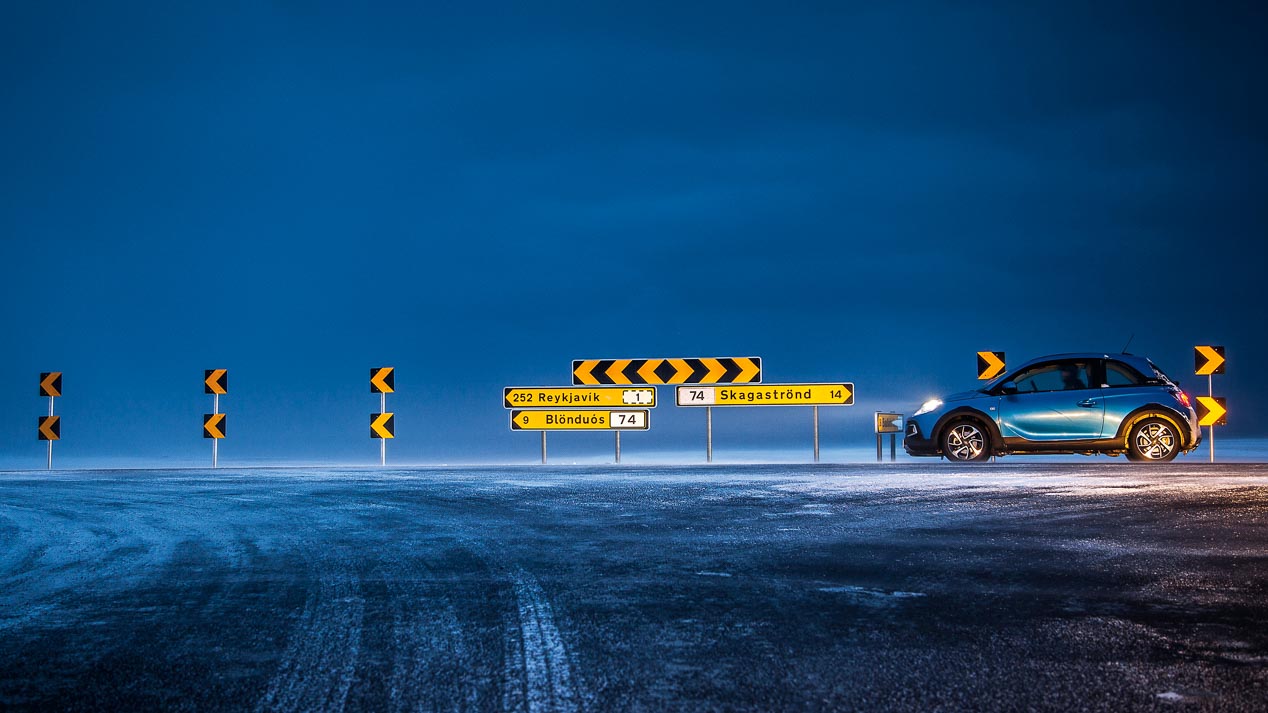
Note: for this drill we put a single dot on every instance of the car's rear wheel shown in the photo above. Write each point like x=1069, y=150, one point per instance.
x=1153, y=440
x=965, y=442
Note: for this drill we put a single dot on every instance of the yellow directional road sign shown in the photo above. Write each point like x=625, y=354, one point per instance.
x=50, y=428
x=1208, y=360
x=768, y=395
x=216, y=381
x=214, y=425
x=383, y=380
x=575, y=396
x=1212, y=411
x=637, y=420
x=707, y=370
x=51, y=384
x=989, y=365
x=382, y=425
x=889, y=422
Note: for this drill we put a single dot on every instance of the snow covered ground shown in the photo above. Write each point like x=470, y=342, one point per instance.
x=1091, y=584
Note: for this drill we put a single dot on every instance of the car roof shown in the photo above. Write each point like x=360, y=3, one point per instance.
x=1140, y=363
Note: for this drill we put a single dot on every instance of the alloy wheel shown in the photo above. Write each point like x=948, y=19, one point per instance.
x=965, y=442
x=1155, y=441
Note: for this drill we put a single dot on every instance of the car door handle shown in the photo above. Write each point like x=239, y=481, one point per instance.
x=1089, y=403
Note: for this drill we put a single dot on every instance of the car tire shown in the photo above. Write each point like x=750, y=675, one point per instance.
x=966, y=441
x=1153, y=440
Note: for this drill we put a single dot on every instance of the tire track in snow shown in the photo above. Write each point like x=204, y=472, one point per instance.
x=538, y=675
x=319, y=664
x=431, y=658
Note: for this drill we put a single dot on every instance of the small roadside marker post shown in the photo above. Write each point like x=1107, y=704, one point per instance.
x=891, y=423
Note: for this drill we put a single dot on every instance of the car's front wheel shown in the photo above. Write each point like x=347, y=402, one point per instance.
x=1153, y=440
x=965, y=442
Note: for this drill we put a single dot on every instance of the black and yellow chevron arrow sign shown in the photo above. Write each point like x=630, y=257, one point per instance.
x=1208, y=360
x=51, y=384
x=214, y=425
x=1212, y=411
x=989, y=365
x=50, y=428
x=216, y=381
x=382, y=425
x=705, y=370
x=383, y=380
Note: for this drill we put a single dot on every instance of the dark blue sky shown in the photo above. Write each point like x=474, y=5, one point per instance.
x=479, y=195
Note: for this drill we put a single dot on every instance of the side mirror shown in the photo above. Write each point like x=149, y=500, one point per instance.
x=1008, y=387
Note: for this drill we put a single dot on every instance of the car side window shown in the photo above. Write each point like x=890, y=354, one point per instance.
x=1063, y=375
x=1121, y=375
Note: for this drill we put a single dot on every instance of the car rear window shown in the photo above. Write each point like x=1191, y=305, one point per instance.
x=1159, y=373
x=1119, y=374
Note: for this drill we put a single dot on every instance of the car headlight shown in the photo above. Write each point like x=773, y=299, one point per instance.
x=928, y=406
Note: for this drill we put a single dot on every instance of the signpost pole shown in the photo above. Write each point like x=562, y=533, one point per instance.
x=816, y=410
x=215, y=442
x=543, y=448
x=893, y=446
x=50, y=443
x=878, y=447
x=618, y=445
x=708, y=433
x=383, y=441
x=1210, y=391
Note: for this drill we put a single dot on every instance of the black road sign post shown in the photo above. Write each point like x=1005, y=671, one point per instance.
x=382, y=424
x=50, y=428
x=1207, y=361
x=215, y=382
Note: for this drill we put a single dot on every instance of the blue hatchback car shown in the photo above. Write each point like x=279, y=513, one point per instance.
x=1066, y=403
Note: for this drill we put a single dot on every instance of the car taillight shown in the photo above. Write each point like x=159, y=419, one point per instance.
x=1183, y=398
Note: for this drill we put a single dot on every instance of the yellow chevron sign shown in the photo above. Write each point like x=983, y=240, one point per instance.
x=50, y=428
x=216, y=381
x=1208, y=360
x=989, y=365
x=1212, y=411
x=383, y=380
x=575, y=396
x=636, y=420
x=768, y=395
x=382, y=425
x=214, y=425
x=51, y=384
x=705, y=370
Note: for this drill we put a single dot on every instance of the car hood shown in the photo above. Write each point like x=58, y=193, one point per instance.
x=963, y=396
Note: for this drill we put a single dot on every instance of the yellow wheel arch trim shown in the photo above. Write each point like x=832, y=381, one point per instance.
x=1127, y=431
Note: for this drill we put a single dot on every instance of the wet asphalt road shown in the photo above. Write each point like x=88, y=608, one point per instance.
x=724, y=588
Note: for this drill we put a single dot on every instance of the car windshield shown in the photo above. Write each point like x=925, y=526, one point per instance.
x=993, y=383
